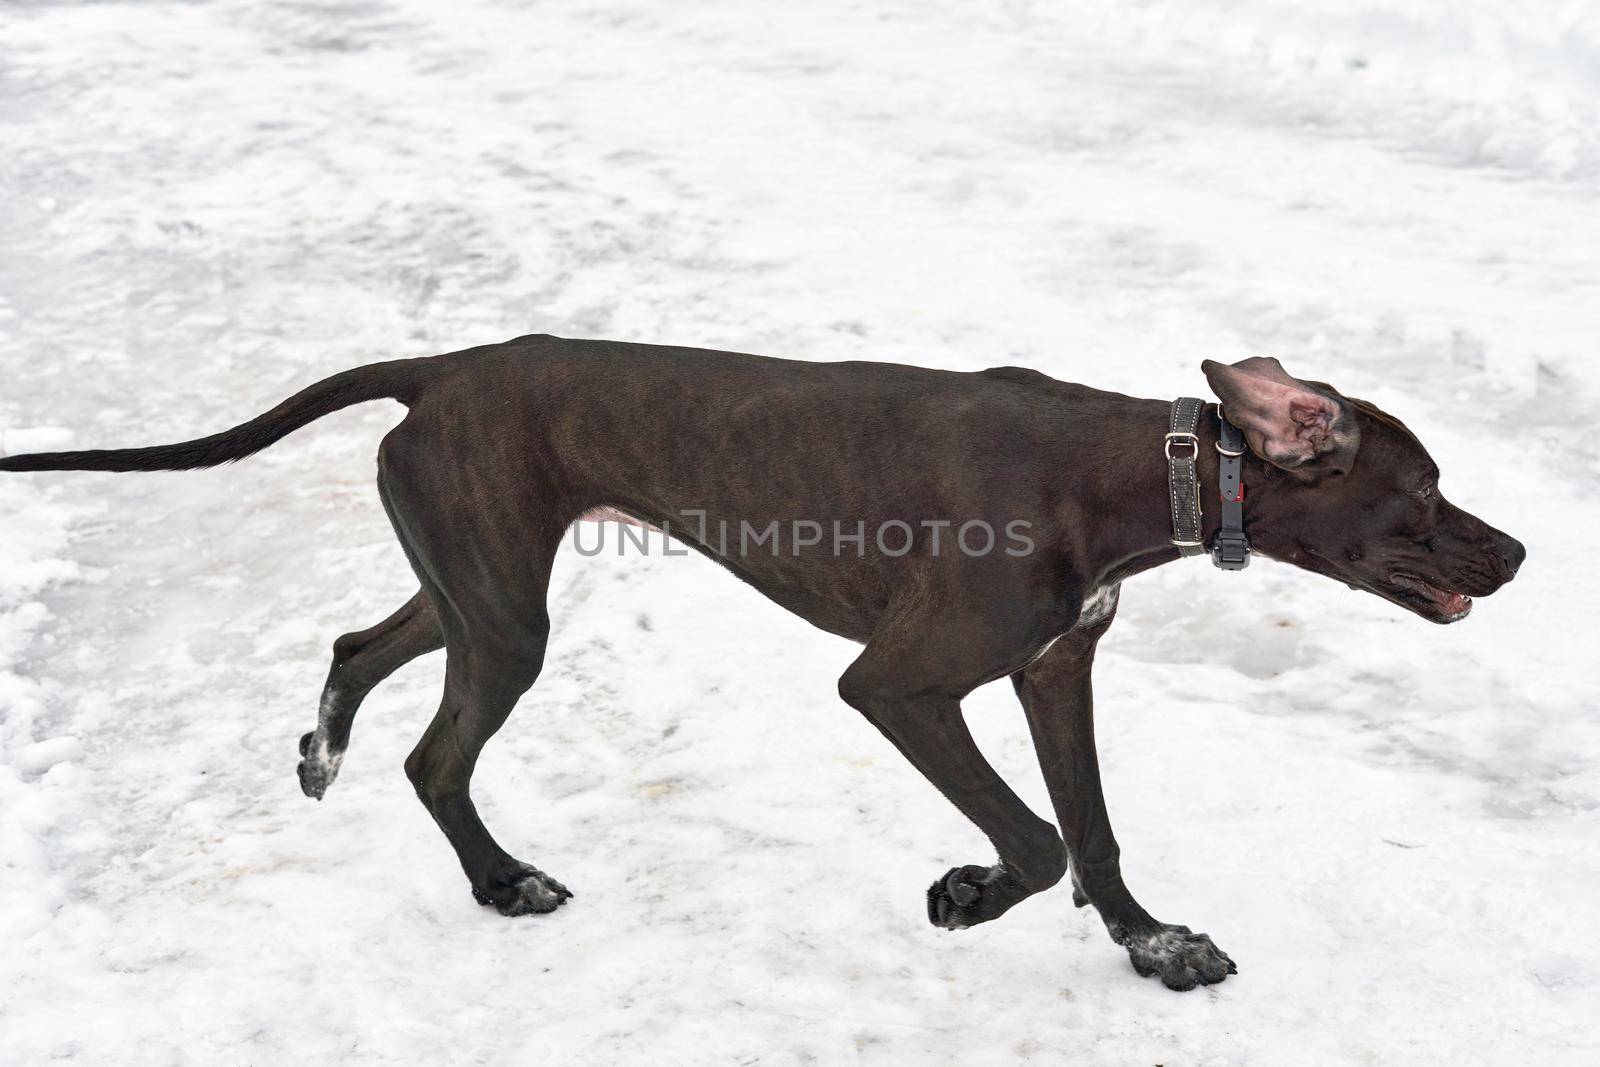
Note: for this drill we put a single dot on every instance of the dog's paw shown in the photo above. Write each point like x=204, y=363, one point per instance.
x=967, y=896
x=1181, y=958
x=524, y=890
x=318, y=766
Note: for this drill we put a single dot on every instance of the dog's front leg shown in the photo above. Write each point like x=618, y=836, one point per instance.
x=1056, y=695
x=909, y=682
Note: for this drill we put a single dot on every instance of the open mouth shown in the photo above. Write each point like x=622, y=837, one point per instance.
x=1441, y=605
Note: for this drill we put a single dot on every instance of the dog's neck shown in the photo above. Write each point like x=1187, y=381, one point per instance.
x=1135, y=500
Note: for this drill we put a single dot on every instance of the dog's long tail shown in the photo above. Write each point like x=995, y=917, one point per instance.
x=400, y=379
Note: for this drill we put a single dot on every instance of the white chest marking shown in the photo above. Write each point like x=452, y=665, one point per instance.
x=1098, y=605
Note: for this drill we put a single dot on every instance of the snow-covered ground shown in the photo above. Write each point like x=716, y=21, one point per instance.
x=205, y=205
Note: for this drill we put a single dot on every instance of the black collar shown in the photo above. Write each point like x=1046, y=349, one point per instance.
x=1230, y=548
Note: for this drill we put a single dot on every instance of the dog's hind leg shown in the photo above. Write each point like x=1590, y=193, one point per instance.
x=486, y=671
x=481, y=532
x=360, y=661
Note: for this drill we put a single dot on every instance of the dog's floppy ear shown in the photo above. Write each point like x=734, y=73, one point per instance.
x=1287, y=422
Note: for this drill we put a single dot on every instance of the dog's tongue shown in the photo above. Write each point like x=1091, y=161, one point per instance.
x=1452, y=603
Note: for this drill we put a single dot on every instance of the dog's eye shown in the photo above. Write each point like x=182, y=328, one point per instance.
x=1425, y=493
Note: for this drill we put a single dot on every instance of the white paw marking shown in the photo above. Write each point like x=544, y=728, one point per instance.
x=1164, y=945
x=324, y=757
x=320, y=754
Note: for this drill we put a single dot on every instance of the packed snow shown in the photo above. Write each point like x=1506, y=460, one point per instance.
x=204, y=206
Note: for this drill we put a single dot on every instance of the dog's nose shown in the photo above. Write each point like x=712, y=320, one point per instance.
x=1513, y=553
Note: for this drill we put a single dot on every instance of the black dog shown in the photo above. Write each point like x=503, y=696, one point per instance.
x=982, y=524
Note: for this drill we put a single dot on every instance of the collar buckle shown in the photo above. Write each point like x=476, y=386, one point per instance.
x=1230, y=550
x=1186, y=438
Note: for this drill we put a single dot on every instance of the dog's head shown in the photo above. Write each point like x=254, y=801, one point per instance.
x=1349, y=492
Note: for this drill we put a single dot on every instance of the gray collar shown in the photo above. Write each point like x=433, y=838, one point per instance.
x=1230, y=548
